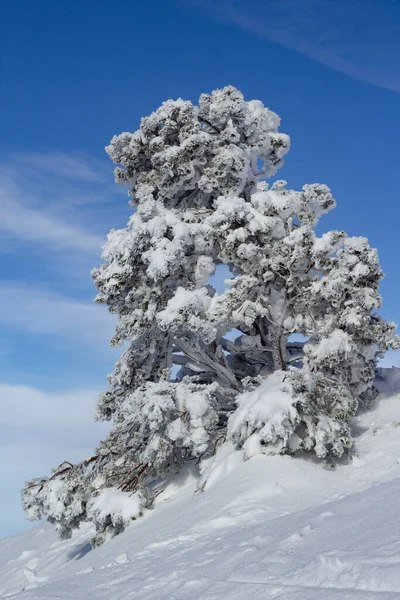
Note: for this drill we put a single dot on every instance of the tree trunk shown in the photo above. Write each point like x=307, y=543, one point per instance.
x=279, y=350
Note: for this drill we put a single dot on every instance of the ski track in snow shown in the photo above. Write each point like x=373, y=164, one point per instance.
x=273, y=527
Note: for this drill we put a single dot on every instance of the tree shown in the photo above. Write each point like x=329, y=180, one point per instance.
x=197, y=178
x=180, y=161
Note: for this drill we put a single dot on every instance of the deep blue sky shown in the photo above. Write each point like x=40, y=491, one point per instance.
x=72, y=75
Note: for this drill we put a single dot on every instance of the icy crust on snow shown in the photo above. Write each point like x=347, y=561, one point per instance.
x=269, y=527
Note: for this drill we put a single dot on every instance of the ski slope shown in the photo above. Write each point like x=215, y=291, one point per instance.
x=272, y=527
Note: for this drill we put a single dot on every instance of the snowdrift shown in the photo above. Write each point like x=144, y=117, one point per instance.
x=270, y=527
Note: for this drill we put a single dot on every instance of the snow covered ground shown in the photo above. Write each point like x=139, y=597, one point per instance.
x=272, y=527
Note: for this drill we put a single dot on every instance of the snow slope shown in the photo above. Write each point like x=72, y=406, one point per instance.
x=271, y=527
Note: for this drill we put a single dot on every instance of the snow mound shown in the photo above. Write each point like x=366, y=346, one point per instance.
x=264, y=416
x=270, y=527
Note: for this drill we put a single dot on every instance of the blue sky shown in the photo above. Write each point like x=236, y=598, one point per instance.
x=73, y=74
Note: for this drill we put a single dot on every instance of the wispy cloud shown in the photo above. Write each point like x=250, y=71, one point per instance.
x=360, y=38
x=75, y=167
x=22, y=223
x=34, y=311
x=38, y=199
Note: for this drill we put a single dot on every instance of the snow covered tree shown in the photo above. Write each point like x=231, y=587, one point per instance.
x=180, y=161
x=340, y=361
x=60, y=497
x=197, y=184
x=269, y=242
x=289, y=281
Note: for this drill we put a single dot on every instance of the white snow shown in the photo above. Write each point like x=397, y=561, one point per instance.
x=272, y=527
x=264, y=415
x=338, y=342
x=123, y=506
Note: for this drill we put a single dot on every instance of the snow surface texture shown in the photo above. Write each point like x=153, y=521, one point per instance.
x=271, y=527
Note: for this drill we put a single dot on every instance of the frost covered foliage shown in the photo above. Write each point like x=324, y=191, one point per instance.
x=75, y=494
x=266, y=418
x=158, y=426
x=156, y=429
x=290, y=281
x=187, y=156
x=180, y=161
x=62, y=498
x=197, y=179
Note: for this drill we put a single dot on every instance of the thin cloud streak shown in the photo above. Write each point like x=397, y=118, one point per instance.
x=27, y=224
x=359, y=38
x=35, y=311
x=38, y=198
x=74, y=167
